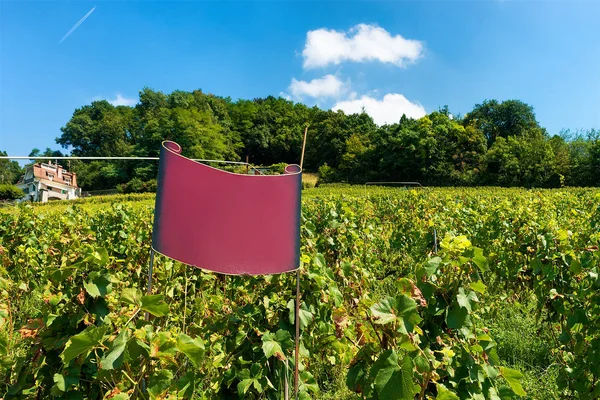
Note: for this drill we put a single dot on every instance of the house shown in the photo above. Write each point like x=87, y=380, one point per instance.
x=46, y=181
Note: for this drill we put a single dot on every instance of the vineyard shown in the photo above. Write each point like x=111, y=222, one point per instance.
x=431, y=294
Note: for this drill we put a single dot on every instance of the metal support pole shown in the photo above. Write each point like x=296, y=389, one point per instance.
x=147, y=315
x=297, y=357
x=151, y=266
x=297, y=353
x=286, y=389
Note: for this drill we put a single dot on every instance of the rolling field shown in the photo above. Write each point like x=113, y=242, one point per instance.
x=450, y=293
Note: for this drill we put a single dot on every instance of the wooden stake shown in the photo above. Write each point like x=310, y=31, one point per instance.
x=303, y=147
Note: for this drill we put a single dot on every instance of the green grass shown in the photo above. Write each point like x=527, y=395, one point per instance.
x=309, y=180
x=525, y=345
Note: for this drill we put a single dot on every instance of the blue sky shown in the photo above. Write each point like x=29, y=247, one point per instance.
x=390, y=57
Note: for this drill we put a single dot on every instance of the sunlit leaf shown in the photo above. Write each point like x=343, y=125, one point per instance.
x=513, y=377
x=192, y=348
x=113, y=358
x=82, y=343
x=155, y=305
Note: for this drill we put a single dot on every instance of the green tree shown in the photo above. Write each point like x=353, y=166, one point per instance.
x=503, y=119
x=10, y=171
x=99, y=129
x=520, y=161
x=433, y=150
x=49, y=153
x=584, y=163
x=397, y=151
x=339, y=141
x=271, y=129
x=499, y=143
x=562, y=161
x=182, y=117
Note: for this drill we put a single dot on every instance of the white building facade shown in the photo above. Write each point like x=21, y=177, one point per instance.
x=43, y=182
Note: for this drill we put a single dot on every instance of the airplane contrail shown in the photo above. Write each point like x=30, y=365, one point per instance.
x=77, y=24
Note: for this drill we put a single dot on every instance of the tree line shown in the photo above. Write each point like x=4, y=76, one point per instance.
x=497, y=143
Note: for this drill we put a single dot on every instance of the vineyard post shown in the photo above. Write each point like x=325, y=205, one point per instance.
x=303, y=146
x=151, y=266
x=297, y=314
x=297, y=332
x=147, y=315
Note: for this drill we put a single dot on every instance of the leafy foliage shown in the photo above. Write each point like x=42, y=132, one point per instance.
x=378, y=304
x=10, y=192
x=497, y=143
x=10, y=171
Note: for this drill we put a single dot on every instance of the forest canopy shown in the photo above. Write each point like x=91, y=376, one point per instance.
x=497, y=143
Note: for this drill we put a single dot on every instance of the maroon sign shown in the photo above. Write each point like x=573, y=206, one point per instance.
x=225, y=222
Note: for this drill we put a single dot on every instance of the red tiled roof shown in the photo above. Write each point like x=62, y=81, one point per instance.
x=53, y=172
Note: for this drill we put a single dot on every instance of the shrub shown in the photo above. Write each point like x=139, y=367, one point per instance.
x=326, y=174
x=278, y=168
x=136, y=185
x=10, y=192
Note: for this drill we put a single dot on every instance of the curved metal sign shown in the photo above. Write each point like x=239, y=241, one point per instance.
x=225, y=222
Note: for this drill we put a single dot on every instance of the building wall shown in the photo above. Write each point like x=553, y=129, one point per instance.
x=37, y=190
x=31, y=190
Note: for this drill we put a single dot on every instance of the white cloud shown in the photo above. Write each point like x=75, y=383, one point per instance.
x=122, y=101
x=385, y=111
x=327, y=86
x=362, y=43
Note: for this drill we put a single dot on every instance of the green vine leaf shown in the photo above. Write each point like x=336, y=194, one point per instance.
x=400, y=308
x=159, y=383
x=457, y=318
x=82, y=343
x=513, y=377
x=271, y=347
x=132, y=296
x=480, y=260
x=308, y=383
x=432, y=265
x=394, y=381
x=192, y=348
x=98, y=285
x=466, y=300
x=114, y=357
x=306, y=316
x=445, y=394
x=155, y=305
x=478, y=286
